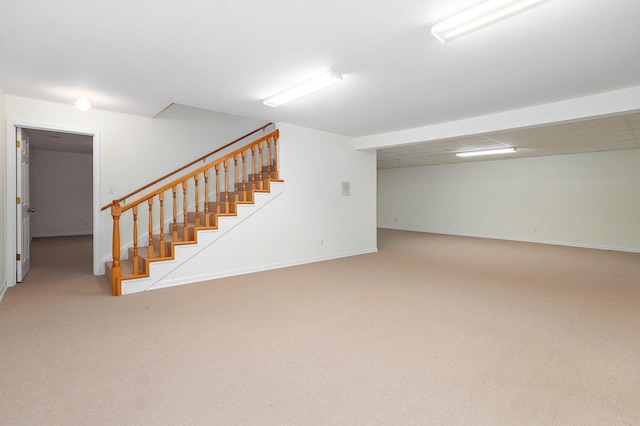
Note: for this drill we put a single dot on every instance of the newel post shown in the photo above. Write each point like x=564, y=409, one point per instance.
x=116, y=271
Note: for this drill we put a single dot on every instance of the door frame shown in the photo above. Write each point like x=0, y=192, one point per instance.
x=23, y=215
x=10, y=202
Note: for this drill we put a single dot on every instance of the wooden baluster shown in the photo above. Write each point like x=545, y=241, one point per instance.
x=269, y=158
x=162, y=244
x=260, y=161
x=275, y=157
x=150, y=228
x=236, y=185
x=252, y=177
x=244, y=176
x=185, y=226
x=197, y=201
x=206, y=198
x=116, y=269
x=174, y=230
x=217, y=188
x=226, y=186
x=135, y=241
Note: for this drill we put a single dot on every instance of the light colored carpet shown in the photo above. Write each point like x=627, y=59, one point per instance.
x=431, y=330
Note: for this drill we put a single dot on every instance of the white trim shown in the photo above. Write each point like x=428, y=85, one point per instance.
x=242, y=271
x=158, y=271
x=522, y=240
x=10, y=203
x=98, y=265
x=10, y=224
x=600, y=105
x=60, y=234
x=161, y=273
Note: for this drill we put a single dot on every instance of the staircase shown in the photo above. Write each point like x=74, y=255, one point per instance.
x=167, y=226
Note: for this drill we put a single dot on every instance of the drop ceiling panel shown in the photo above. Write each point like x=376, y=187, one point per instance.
x=603, y=134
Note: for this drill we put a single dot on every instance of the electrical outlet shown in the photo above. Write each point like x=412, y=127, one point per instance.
x=346, y=188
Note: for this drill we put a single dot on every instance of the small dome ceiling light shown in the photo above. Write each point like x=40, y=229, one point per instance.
x=83, y=104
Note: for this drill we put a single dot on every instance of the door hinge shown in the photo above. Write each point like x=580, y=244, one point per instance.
x=18, y=200
x=17, y=144
x=18, y=257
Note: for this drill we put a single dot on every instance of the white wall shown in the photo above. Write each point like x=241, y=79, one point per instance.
x=311, y=220
x=134, y=150
x=590, y=200
x=61, y=192
x=3, y=145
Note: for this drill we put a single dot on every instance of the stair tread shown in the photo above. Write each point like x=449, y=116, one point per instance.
x=126, y=265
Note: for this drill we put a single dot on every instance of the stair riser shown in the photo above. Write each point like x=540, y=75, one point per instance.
x=190, y=233
x=226, y=209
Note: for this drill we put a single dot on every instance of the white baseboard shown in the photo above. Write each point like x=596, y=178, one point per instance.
x=523, y=240
x=62, y=234
x=230, y=273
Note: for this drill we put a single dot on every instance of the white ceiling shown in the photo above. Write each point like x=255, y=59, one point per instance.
x=140, y=56
x=45, y=140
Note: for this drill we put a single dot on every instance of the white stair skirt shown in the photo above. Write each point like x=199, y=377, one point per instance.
x=161, y=272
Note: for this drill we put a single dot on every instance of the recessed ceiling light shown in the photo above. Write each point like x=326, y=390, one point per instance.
x=480, y=16
x=317, y=83
x=486, y=152
x=83, y=104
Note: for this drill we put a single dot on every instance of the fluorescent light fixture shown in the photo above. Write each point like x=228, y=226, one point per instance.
x=317, y=83
x=83, y=104
x=486, y=152
x=480, y=16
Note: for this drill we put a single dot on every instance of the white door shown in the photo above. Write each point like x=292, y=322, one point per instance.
x=23, y=228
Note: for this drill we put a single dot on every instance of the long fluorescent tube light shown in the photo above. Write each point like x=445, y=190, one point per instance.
x=486, y=152
x=480, y=16
x=317, y=83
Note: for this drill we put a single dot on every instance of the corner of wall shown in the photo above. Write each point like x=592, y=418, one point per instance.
x=3, y=190
x=312, y=220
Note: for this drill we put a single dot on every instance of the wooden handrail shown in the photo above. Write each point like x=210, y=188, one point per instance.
x=256, y=179
x=196, y=172
x=197, y=160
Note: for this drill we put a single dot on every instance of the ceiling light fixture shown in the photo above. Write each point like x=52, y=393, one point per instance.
x=480, y=16
x=83, y=104
x=317, y=83
x=486, y=152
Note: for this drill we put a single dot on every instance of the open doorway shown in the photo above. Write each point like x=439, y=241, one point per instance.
x=65, y=181
x=61, y=174
x=61, y=189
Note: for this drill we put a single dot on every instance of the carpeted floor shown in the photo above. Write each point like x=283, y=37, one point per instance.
x=431, y=330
